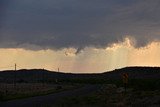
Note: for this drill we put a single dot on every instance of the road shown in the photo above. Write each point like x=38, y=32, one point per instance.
x=50, y=99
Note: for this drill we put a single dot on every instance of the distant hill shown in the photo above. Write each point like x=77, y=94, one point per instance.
x=40, y=75
x=136, y=72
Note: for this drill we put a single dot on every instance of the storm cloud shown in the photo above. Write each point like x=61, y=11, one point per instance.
x=58, y=24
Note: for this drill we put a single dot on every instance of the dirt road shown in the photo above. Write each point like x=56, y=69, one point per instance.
x=49, y=99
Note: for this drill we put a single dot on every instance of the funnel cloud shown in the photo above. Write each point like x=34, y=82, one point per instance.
x=58, y=24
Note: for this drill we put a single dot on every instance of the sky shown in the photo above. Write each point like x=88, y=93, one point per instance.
x=79, y=36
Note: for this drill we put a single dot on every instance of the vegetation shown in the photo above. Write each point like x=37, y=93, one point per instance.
x=111, y=98
x=23, y=90
x=143, y=87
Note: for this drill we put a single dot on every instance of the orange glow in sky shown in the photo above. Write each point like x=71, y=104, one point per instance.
x=118, y=55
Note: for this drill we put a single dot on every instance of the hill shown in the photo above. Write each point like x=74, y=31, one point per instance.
x=41, y=75
x=135, y=72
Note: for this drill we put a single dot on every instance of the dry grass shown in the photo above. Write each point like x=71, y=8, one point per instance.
x=108, y=96
x=22, y=90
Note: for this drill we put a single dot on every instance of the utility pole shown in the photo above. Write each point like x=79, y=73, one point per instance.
x=58, y=69
x=43, y=77
x=15, y=74
x=15, y=66
x=56, y=79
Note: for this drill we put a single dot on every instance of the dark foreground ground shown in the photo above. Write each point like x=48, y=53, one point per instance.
x=52, y=99
x=39, y=88
x=97, y=95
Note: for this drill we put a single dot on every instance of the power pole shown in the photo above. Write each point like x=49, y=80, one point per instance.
x=43, y=77
x=56, y=79
x=15, y=66
x=58, y=69
x=15, y=74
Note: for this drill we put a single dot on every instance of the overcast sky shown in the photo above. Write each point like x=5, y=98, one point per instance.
x=57, y=24
x=37, y=25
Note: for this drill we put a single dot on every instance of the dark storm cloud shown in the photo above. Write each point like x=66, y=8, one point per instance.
x=57, y=24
